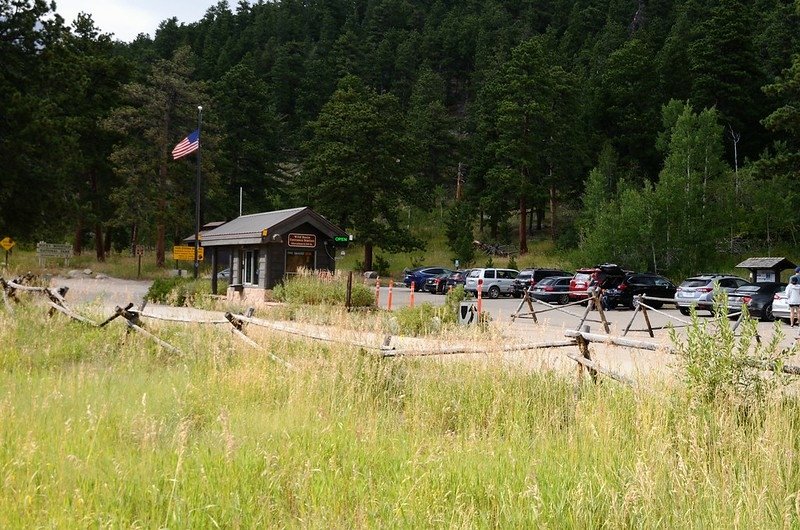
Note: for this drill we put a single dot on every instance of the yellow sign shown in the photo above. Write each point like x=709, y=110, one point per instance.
x=186, y=253
x=7, y=243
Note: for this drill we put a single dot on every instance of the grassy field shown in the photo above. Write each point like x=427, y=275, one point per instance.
x=103, y=429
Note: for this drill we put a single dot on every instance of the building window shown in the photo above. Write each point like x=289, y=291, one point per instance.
x=297, y=259
x=250, y=267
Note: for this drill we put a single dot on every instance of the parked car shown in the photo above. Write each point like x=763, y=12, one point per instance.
x=780, y=306
x=437, y=284
x=224, y=275
x=698, y=291
x=603, y=276
x=758, y=298
x=553, y=290
x=420, y=274
x=458, y=278
x=639, y=284
x=495, y=281
x=528, y=278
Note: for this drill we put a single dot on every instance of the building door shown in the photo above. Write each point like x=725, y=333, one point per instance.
x=297, y=259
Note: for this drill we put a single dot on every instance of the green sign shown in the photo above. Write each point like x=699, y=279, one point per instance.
x=341, y=239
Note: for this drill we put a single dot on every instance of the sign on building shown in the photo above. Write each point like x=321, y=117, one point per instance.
x=302, y=240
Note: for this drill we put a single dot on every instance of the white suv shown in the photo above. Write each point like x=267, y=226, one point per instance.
x=495, y=281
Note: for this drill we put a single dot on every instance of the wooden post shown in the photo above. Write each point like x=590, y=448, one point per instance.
x=630, y=323
x=480, y=297
x=389, y=301
x=641, y=306
x=596, y=301
x=411, y=299
x=583, y=346
x=348, y=299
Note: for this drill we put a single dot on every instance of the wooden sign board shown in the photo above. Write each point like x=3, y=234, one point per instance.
x=7, y=243
x=186, y=253
x=302, y=240
x=139, y=251
x=53, y=250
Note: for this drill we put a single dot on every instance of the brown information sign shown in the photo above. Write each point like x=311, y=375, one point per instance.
x=302, y=240
x=186, y=253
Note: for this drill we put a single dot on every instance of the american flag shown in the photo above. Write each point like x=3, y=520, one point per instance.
x=190, y=144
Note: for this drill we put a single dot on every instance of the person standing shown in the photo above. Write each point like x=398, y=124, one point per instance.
x=793, y=298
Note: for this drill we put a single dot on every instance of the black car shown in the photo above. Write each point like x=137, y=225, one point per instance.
x=624, y=293
x=437, y=284
x=528, y=278
x=553, y=290
x=458, y=278
x=757, y=297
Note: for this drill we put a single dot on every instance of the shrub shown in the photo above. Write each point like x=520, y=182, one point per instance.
x=315, y=288
x=718, y=365
x=426, y=318
x=179, y=291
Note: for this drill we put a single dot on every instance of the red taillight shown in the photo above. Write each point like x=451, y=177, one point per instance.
x=549, y=288
x=746, y=299
x=776, y=297
x=622, y=286
x=436, y=281
x=704, y=289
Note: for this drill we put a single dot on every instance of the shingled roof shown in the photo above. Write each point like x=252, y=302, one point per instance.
x=767, y=263
x=247, y=229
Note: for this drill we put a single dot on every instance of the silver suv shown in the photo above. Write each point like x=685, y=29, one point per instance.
x=495, y=281
x=698, y=291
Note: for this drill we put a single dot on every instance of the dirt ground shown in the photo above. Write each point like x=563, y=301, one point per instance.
x=106, y=293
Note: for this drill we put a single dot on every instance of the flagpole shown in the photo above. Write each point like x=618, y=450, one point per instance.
x=197, y=197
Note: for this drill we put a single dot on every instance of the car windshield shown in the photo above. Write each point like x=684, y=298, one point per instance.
x=546, y=281
x=583, y=276
x=474, y=274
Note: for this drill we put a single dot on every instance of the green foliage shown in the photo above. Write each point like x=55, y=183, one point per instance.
x=718, y=365
x=314, y=289
x=381, y=266
x=180, y=291
x=460, y=224
x=427, y=319
x=512, y=263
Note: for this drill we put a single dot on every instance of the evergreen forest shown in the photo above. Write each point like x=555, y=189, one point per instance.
x=654, y=133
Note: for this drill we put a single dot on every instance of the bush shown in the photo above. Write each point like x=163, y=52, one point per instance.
x=719, y=366
x=315, y=288
x=426, y=318
x=179, y=291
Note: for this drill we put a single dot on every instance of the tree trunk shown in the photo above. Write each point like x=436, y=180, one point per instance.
x=530, y=221
x=539, y=217
x=77, y=245
x=107, y=241
x=553, y=231
x=368, y=256
x=134, y=238
x=493, y=228
x=99, y=243
x=161, y=232
x=523, y=226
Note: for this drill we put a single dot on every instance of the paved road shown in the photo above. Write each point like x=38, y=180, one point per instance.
x=502, y=309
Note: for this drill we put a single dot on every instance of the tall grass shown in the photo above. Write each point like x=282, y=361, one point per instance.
x=100, y=428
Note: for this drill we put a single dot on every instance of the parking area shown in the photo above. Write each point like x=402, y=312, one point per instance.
x=502, y=309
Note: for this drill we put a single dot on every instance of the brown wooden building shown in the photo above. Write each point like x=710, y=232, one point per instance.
x=266, y=247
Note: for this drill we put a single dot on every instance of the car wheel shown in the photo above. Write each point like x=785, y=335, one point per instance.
x=767, y=315
x=516, y=294
x=656, y=305
x=633, y=304
x=563, y=299
x=494, y=292
x=684, y=311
